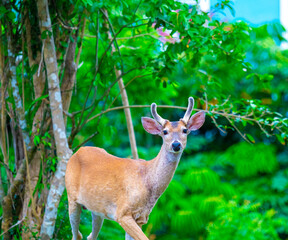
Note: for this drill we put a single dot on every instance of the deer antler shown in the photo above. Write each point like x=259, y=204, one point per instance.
x=156, y=116
x=187, y=115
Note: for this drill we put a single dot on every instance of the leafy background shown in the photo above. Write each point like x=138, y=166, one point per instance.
x=224, y=188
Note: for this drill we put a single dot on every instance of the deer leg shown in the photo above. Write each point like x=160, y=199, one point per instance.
x=74, y=216
x=133, y=231
x=128, y=237
x=97, y=222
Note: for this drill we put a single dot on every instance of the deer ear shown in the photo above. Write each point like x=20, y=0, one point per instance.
x=151, y=126
x=196, y=121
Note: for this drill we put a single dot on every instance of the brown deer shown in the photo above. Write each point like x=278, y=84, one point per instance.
x=122, y=189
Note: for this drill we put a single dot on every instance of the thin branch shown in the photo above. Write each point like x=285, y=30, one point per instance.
x=22, y=69
x=6, y=167
x=241, y=134
x=15, y=225
x=29, y=183
x=78, y=128
x=61, y=20
x=143, y=24
x=223, y=114
x=206, y=101
x=216, y=124
x=127, y=84
x=81, y=43
x=88, y=139
x=91, y=85
x=136, y=9
x=137, y=36
x=135, y=106
x=41, y=59
x=115, y=36
x=127, y=38
x=66, y=26
x=117, y=79
x=115, y=41
x=97, y=44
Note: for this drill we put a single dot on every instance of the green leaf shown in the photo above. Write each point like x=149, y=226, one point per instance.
x=36, y=100
x=280, y=139
x=36, y=140
x=250, y=138
x=11, y=15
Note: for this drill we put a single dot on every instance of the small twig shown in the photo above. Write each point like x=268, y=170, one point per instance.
x=135, y=106
x=136, y=9
x=167, y=22
x=16, y=224
x=105, y=13
x=65, y=26
x=61, y=21
x=95, y=75
x=241, y=134
x=63, y=65
x=6, y=166
x=88, y=139
x=143, y=24
x=97, y=44
x=106, y=93
x=206, y=101
x=116, y=80
x=127, y=38
x=127, y=86
x=226, y=115
x=226, y=101
x=217, y=125
x=137, y=36
x=33, y=206
x=115, y=36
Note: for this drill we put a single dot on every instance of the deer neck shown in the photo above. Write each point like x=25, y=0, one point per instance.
x=162, y=170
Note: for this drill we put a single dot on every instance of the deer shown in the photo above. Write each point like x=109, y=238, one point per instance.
x=122, y=189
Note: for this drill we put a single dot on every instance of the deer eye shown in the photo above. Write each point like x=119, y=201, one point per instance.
x=165, y=132
x=185, y=130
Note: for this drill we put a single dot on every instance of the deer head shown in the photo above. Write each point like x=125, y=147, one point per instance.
x=174, y=134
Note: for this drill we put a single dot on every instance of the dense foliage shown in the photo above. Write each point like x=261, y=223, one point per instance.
x=232, y=180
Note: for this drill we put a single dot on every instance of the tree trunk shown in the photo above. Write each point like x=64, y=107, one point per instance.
x=2, y=109
x=128, y=116
x=69, y=75
x=20, y=119
x=63, y=152
x=33, y=221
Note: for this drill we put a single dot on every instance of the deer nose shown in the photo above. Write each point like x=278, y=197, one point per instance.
x=176, y=146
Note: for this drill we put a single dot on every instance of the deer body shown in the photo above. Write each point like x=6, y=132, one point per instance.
x=122, y=189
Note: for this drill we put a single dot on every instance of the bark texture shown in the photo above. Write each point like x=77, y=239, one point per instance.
x=2, y=110
x=63, y=152
x=7, y=202
x=69, y=74
x=128, y=116
x=32, y=221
